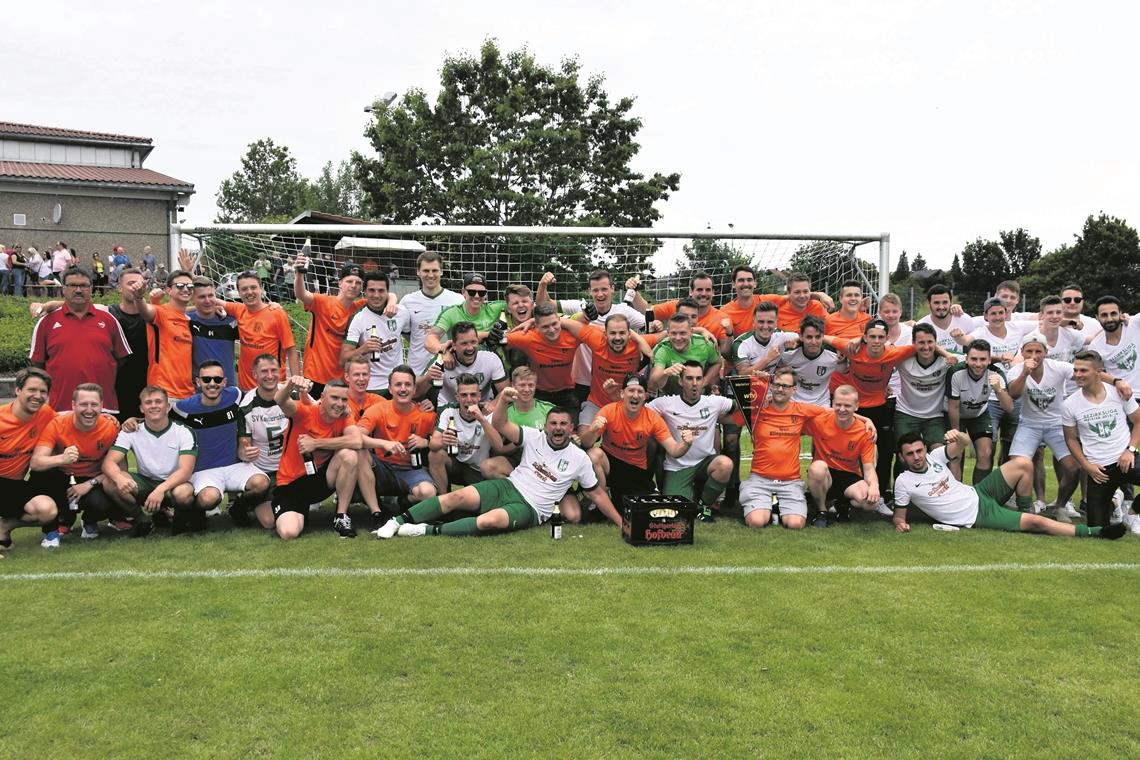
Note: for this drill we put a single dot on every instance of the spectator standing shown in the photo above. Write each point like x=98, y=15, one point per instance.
x=99, y=271
x=61, y=260
x=148, y=260
x=18, y=263
x=35, y=261
x=5, y=271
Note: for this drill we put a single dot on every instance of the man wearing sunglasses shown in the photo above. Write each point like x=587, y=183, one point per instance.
x=213, y=414
x=169, y=339
x=475, y=308
x=1072, y=308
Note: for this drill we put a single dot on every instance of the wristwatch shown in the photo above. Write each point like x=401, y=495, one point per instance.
x=1133, y=450
x=93, y=482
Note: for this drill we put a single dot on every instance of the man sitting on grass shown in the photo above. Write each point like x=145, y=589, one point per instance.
x=550, y=464
x=930, y=486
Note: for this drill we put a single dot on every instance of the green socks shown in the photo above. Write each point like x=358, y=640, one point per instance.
x=426, y=511
x=713, y=489
x=1024, y=503
x=1084, y=531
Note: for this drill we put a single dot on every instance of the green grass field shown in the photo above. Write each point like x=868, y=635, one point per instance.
x=847, y=642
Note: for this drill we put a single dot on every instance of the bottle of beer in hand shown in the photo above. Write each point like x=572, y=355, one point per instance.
x=371, y=336
x=503, y=327
x=556, y=523
x=307, y=252
x=438, y=381
x=452, y=448
x=310, y=465
x=631, y=293
x=415, y=457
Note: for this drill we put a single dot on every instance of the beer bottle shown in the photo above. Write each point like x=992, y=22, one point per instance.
x=372, y=334
x=310, y=465
x=415, y=458
x=631, y=293
x=438, y=381
x=452, y=448
x=307, y=252
x=556, y=523
x=503, y=326
x=775, y=509
x=72, y=504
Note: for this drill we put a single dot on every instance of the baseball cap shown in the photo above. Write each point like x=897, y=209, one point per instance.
x=631, y=379
x=351, y=270
x=990, y=303
x=1034, y=337
x=474, y=278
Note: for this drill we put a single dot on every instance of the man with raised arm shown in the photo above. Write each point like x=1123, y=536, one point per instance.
x=679, y=348
x=262, y=427
x=331, y=315
x=550, y=351
x=375, y=335
x=757, y=348
x=929, y=485
x=461, y=443
x=550, y=465
x=465, y=355
x=170, y=342
x=212, y=329
x=701, y=292
x=319, y=457
x=798, y=302
x=626, y=427
x=164, y=452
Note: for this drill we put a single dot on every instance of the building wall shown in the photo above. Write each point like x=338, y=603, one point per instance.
x=89, y=222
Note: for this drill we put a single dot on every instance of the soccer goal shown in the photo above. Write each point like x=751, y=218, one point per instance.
x=665, y=260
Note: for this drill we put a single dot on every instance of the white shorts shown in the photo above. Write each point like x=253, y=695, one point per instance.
x=1030, y=435
x=756, y=494
x=229, y=479
x=588, y=412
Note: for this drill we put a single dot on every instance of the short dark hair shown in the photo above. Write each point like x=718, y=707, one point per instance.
x=678, y=318
x=210, y=363
x=27, y=373
x=399, y=369
x=429, y=256
x=700, y=275
x=462, y=328
x=811, y=320
x=466, y=378
x=851, y=284
x=688, y=303
x=265, y=358
x=911, y=437
x=600, y=274
x=937, y=290
x=1010, y=285
x=798, y=277
x=1049, y=301
x=1073, y=286
x=75, y=272
x=1089, y=355
x=742, y=268
x=979, y=344
x=336, y=382
x=923, y=327
x=248, y=274
x=561, y=410
x=544, y=310
x=765, y=306
x=375, y=275
x=1107, y=299
x=693, y=363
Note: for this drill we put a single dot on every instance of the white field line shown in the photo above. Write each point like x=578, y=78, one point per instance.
x=542, y=572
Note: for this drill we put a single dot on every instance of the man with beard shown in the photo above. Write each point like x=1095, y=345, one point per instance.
x=462, y=351
x=424, y=307
x=525, y=411
x=843, y=467
x=331, y=315
x=620, y=352
x=1119, y=344
x=22, y=421
x=550, y=465
x=941, y=319
x=971, y=387
x=626, y=427
x=757, y=348
x=262, y=428
x=813, y=362
x=375, y=335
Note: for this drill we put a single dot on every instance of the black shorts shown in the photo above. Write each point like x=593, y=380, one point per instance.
x=626, y=479
x=567, y=398
x=463, y=474
x=316, y=391
x=306, y=490
x=841, y=480
x=17, y=493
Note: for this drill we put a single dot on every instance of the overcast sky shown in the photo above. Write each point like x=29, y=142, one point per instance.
x=936, y=121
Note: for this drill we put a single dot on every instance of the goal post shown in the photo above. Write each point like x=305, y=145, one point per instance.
x=665, y=259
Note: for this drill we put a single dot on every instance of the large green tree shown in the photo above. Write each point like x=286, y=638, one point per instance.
x=267, y=188
x=1021, y=249
x=1105, y=259
x=902, y=268
x=509, y=141
x=336, y=190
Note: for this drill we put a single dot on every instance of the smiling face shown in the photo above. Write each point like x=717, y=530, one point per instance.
x=702, y=291
x=357, y=374
x=350, y=287
x=763, y=325
x=87, y=407
x=602, y=293
x=402, y=386
x=1085, y=373
x=850, y=297
x=550, y=327
x=334, y=402
x=977, y=361
x=924, y=345
x=890, y=313
x=940, y=305
x=876, y=340
x=680, y=335
x=520, y=306
x=466, y=346
x=1008, y=298
x=633, y=398
x=1072, y=302
x=995, y=316
x=1108, y=315
x=205, y=300
x=266, y=374
x=799, y=293
x=744, y=285
x=33, y=395
x=617, y=335
x=211, y=381
x=845, y=403
x=430, y=273
x=376, y=293
x=155, y=407
x=180, y=290
x=249, y=291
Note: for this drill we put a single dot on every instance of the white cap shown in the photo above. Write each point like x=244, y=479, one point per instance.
x=1034, y=337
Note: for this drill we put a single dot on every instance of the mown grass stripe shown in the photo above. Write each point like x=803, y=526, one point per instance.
x=398, y=572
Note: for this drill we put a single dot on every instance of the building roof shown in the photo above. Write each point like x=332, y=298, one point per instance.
x=32, y=131
x=91, y=175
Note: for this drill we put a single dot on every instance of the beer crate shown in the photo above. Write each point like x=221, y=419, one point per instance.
x=657, y=520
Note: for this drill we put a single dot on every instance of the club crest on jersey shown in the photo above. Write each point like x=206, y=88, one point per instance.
x=850, y=445
x=392, y=325
x=821, y=371
x=704, y=413
x=480, y=377
x=1104, y=428
x=563, y=465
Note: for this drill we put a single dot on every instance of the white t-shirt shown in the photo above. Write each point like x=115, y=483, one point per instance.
x=748, y=348
x=265, y=423
x=1041, y=402
x=923, y=389
x=1010, y=344
x=906, y=333
x=937, y=492
x=60, y=260
x=973, y=395
x=1017, y=316
x=1103, y=427
x=156, y=454
x=584, y=359
x=389, y=330
x=422, y=313
x=545, y=473
x=473, y=444
x=487, y=369
x=965, y=323
x=1121, y=360
x=813, y=376
x=700, y=418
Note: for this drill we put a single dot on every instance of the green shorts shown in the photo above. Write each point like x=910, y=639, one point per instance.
x=502, y=494
x=981, y=426
x=680, y=482
x=932, y=429
x=992, y=493
x=146, y=486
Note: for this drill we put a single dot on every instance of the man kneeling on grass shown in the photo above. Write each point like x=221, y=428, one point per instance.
x=550, y=464
x=930, y=486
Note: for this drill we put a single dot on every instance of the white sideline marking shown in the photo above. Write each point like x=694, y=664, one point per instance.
x=401, y=572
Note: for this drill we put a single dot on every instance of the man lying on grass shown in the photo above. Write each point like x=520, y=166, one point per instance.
x=550, y=464
x=930, y=486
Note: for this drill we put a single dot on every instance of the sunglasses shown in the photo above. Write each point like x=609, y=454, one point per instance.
x=1073, y=299
x=219, y=379
x=182, y=285
x=476, y=293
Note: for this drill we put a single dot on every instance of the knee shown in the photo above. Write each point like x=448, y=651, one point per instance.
x=257, y=485
x=496, y=519
x=208, y=498
x=792, y=522
x=182, y=494
x=758, y=518
x=423, y=491
x=438, y=458
x=720, y=468
x=42, y=509
x=817, y=471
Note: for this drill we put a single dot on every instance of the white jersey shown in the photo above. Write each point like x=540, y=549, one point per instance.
x=422, y=313
x=1010, y=344
x=906, y=335
x=389, y=330
x=584, y=359
x=265, y=423
x=1017, y=316
x=813, y=376
x=700, y=418
x=545, y=473
x=973, y=394
x=965, y=323
x=1121, y=360
x=937, y=492
x=747, y=348
x=487, y=369
x=1041, y=401
x=923, y=388
x=473, y=444
x=156, y=454
x=1102, y=428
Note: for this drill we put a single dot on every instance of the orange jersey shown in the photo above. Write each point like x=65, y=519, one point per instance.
x=710, y=320
x=627, y=439
x=847, y=450
x=18, y=439
x=265, y=331
x=356, y=411
x=307, y=420
x=326, y=335
x=384, y=420
x=840, y=326
x=606, y=364
x=740, y=316
x=93, y=444
x=550, y=361
x=776, y=436
x=869, y=374
x=170, y=350
x=788, y=318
